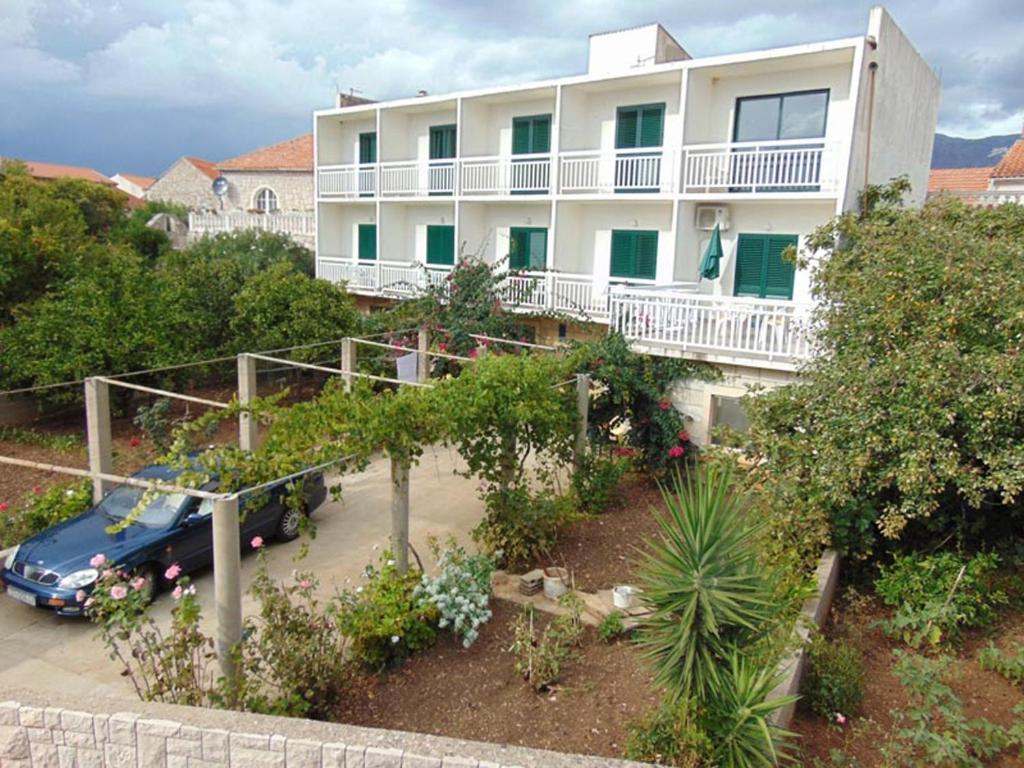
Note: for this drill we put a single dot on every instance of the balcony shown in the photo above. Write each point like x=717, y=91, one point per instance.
x=299, y=225
x=347, y=180
x=760, y=167
x=505, y=175
x=773, y=334
x=625, y=170
x=393, y=279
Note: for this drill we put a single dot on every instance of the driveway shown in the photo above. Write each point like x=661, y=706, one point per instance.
x=41, y=651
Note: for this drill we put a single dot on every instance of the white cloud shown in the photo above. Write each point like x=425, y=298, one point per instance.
x=22, y=62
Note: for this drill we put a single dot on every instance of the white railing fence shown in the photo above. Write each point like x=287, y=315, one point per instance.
x=297, y=224
x=651, y=169
x=776, y=166
x=347, y=180
x=518, y=174
x=772, y=331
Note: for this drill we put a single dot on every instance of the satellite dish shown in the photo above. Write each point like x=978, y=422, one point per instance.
x=220, y=186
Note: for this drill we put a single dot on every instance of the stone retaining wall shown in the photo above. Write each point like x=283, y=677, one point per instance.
x=45, y=731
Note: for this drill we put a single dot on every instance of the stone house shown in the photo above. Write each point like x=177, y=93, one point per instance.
x=189, y=182
x=271, y=179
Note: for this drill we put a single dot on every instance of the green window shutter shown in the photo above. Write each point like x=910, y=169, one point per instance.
x=750, y=250
x=538, y=250
x=541, y=139
x=531, y=135
x=528, y=248
x=367, y=148
x=367, y=241
x=779, y=273
x=442, y=142
x=517, y=248
x=521, y=136
x=626, y=125
x=652, y=125
x=646, y=254
x=440, y=244
x=623, y=261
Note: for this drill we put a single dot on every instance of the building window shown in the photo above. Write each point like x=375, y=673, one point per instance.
x=527, y=248
x=727, y=412
x=634, y=253
x=440, y=244
x=761, y=270
x=367, y=242
x=800, y=115
x=265, y=200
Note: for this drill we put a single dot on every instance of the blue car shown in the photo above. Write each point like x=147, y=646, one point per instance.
x=49, y=569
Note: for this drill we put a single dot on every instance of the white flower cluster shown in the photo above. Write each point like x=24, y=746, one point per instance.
x=461, y=592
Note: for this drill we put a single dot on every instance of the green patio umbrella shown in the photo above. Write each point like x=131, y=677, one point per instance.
x=712, y=255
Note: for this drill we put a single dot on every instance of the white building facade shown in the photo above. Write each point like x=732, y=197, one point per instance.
x=600, y=193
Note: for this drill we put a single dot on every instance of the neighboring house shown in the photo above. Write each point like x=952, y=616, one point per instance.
x=132, y=184
x=271, y=179
x=188, y=182
x=1001, y=183
x=605, y=190
x=50, y=171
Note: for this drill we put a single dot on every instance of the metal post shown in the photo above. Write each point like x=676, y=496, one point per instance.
x=400, y=513
x=348, y=361
x=423, y=361
x=583, y=414
x=227, y=583
x=247, y=435
x=97, y=425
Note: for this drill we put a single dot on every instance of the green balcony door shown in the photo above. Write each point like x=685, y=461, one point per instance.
x=528, y=248
x=367, y=177
x=531, y=135
x=440, y=244
x=761, y=271
x=637, y=127
x=367, y=242
x=441, y=180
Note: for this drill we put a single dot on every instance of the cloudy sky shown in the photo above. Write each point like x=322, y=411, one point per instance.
x=131, y=85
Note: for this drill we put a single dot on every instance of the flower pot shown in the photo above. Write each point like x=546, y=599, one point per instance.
x=556, y=582
x=624, y=596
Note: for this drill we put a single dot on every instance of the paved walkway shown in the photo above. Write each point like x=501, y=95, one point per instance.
x=41, y=651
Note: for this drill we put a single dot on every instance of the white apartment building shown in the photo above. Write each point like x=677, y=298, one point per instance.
x=602, y=192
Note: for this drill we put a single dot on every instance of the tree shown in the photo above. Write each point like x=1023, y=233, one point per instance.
x=253, y=250
x=909, y=421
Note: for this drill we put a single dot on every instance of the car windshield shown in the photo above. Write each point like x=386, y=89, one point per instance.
x=159, y=512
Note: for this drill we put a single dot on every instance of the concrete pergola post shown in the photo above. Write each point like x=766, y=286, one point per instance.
x=97, y=425
x=348, y=361
x=423, y=361
x=247, y=435
x=400, y=513
x=583, y=416
x=227, y=583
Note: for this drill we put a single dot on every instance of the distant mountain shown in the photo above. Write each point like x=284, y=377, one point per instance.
x=954, y=152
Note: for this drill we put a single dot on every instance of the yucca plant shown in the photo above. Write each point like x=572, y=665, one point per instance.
x=701, y=579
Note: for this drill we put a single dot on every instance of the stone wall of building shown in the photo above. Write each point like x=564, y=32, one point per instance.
x=185, y=184
x=44, y=730
x=294, y=189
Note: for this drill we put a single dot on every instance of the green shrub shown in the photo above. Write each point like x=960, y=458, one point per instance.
x=155, y=422
x=59, y=443
x=39, y=510
x=540, y=657
x=611, y=627
x=384, y=619
x=931, y=605
x=520, y=524
x=461, y=591
x=669, y=736
x=834, y=683
x=1009, y=665
x=596, y=480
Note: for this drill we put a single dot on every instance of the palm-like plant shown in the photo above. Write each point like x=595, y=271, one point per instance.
x=701, y=579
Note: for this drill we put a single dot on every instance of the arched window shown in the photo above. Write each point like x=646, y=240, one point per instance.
x=266, y=200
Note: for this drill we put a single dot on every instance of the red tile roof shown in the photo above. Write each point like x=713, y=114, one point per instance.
x=55, y=171
x=292, y=155
x=210, y=169
x=1012, y=164
x=143, y=181
x=958, y=179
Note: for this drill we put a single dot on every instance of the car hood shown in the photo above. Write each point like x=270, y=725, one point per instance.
x=70, y=545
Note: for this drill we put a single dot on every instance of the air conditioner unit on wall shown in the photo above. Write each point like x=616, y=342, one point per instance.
x=710, y=216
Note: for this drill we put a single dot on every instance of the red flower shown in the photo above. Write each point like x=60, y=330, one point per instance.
x=442, y=347
x=472, y=354
x=4, y=506
x=624, y=450
x=684, y=436
x=37, y=489
x=676, y=451
x=485, y=342
x=135, y=442
x=664, y=405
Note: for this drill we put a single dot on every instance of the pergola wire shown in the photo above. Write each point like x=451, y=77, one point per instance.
x=338, y=371
x=396, y=348
x=163, y=392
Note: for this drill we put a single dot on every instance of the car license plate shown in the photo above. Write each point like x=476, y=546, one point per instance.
x=21, y=596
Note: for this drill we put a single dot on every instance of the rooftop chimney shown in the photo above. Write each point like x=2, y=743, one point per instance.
x=627, y=49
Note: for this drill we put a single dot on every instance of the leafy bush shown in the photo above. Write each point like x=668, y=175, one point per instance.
x=520, y=525
x=461, y=592
x=669, y=736
x=596, y=480
x=541, y=657
x=155, y=422
x=253, y=251
x=1009, y=665
x=60, y=443
x=384, y=619
x=835, y=678
x=611, y=627
x=40, y=509
x=931, y=604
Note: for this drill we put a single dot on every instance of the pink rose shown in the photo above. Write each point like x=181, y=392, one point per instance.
x=442, y=347
x=176, y=593
x=676, y=451
x=257, y=542
x=684, y=436
x=173, y=572
x=80, y=596
x=472, y=354
x=305, y=584
x=138, y=583
x=107, y=573
x=98, y=560
x=4, y=506
x=840, y=718
x=664, y=405
x=119, y=592
x=37, y=489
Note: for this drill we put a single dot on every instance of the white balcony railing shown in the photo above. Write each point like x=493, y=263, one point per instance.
x=300, y=225
x=776, y=166
x=650, y=169
x=382, y=278
x=519, y=174
x=347, y=180
x=415, y=178
x=775, y=332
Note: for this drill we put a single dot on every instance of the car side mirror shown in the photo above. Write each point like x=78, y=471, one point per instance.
x=194, y=519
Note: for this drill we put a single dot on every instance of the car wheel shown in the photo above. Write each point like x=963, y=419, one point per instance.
x=147, y=572
x=289, y=524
